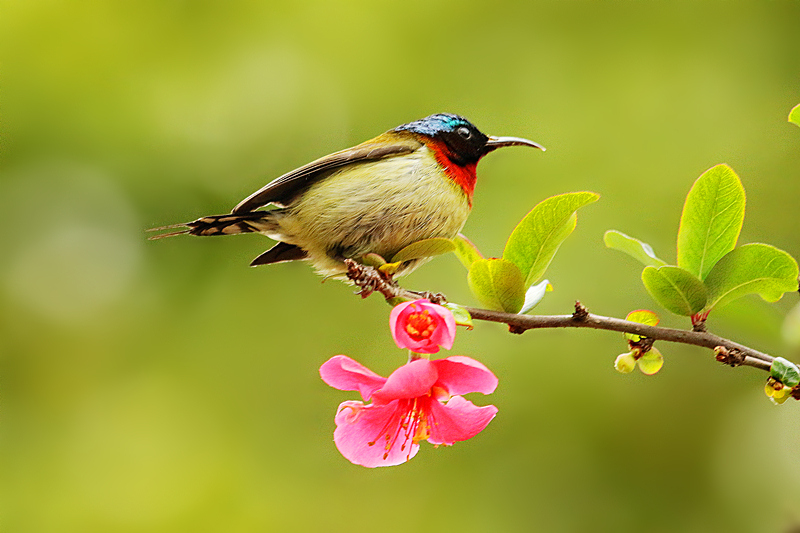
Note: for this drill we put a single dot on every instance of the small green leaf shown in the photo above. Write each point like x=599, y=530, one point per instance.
x=751, y=269
x=397, y=300
x=424, y=248
x=373, y=260
x=536, y=239
x=711, y=220
x=498, y=284
x=675, y=289
x=635, y=248
x=466, y=252
x=462, y=316
x=651, y=362
x=776, y=391
x=785, y=371
x=534, y=295
x=625, y=362
x=641, y=316
x=794, y=115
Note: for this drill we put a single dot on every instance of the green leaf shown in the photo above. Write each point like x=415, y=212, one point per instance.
x=424, y=248
x=651, y=362
x=794, y=115
x=711, y=220
x=498, y=284
x=536, y=239
x=676, y=289
x=751, y=269
x=635, y=248
x=785, y=371
x=462, y=316
x=397, y=300
x=776, y=391
x=625, y=362
x=641, y=316
x=534, y=295
x=373, y=260
x=466, y=252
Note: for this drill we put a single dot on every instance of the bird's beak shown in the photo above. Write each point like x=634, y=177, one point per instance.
x=498, y=142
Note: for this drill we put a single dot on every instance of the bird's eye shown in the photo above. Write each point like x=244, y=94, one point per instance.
x=464, y=132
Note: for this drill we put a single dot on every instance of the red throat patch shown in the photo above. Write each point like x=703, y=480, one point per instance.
x=464, y=176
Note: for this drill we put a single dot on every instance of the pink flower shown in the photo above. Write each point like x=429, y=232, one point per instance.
x=418, y=401
x=422, y=326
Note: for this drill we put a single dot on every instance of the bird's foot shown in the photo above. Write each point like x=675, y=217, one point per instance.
x=369, y=279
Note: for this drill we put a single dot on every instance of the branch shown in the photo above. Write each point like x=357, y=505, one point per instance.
x=727, y=351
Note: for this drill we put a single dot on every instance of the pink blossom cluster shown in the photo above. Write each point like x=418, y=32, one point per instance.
x=419, y=401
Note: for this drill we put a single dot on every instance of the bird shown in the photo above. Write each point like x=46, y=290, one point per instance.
x=411, y=183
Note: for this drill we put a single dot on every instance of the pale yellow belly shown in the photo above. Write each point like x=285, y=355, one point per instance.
x=378, y=207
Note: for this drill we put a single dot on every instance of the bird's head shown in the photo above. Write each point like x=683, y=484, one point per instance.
x=464, y=143
x=459, y=145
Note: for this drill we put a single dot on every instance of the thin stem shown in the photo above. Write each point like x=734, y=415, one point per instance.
x=727, y=351
x=521, y=323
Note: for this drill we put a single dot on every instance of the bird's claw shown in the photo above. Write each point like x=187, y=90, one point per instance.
x=370, y=279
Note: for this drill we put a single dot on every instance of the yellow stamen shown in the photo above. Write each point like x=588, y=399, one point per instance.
x=420, y=326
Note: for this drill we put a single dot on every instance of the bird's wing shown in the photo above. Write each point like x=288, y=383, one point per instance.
x=283, y=189
x=280, y=253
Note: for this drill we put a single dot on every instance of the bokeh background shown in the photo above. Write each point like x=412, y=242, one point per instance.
x=166, y=386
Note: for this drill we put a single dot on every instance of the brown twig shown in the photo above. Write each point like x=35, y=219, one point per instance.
x=727, y=351
x=749, y=356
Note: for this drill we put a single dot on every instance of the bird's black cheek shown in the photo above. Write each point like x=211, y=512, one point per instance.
x=463, y=151
x=464, y=155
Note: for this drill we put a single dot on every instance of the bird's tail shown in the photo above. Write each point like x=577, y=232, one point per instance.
x=251, y=222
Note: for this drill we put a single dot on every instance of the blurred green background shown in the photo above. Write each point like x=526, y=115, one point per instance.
x=166, y=386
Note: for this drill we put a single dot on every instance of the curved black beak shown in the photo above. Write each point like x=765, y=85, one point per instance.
x=498, y=142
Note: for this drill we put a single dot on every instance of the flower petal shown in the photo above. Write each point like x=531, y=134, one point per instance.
x=358, y=425
x=343, y=373
x=459, y=419
x=460, y=375
x=445, y=333
x=409, y=381
x=397, y=326
x=426, y=346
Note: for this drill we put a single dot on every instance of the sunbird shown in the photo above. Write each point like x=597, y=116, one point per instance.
x=413, y=182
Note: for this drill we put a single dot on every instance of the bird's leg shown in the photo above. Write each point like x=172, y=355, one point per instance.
x=369, y=279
